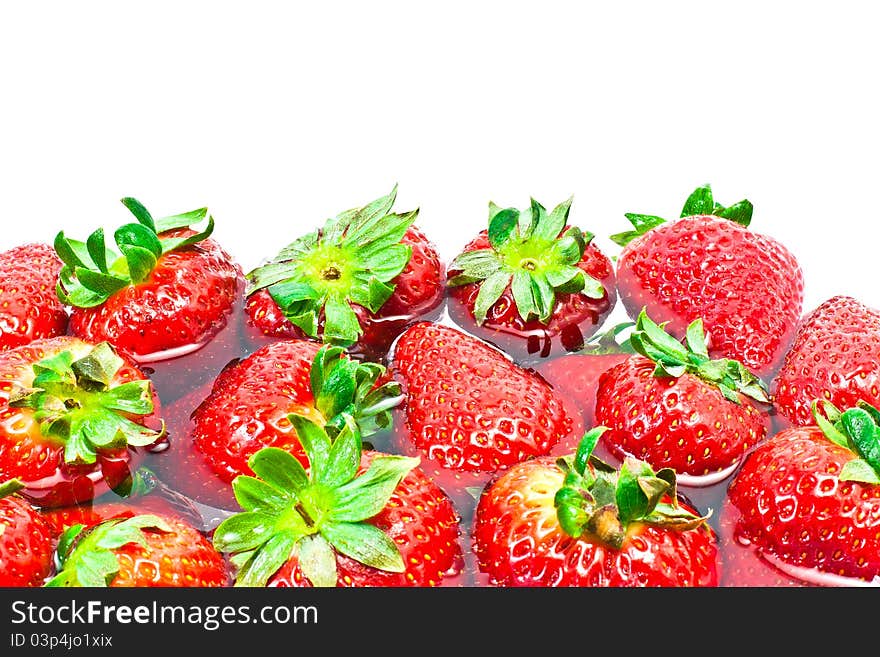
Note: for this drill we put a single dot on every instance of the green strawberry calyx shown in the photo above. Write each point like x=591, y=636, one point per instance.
x=10, y=487
x=700, y=202
x=314, y=515
x=353, y=259
x=601, y=501
x=533, y=252
x=93, y=272
x=346, y=388
x=674, y=358
x=86, y=558
x=610, y=342
x=78, y=404
x=858, y=430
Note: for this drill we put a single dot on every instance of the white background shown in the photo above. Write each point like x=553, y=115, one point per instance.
x=277, y=117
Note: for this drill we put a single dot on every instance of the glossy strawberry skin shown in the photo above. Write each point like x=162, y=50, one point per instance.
x=26, y=544
x=421, y=519
x=246, y=409
x=37, y=461
x=519, y=543
x=682, y=423
x=793, y=506
x=835, y=356
x=187, y=299
x=575, y=317
x=746, y=287
x=469, y=410
x=31, y=308
x=183, y=557
x=418, y=294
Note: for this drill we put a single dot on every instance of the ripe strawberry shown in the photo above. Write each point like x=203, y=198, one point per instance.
x=354, y=519
x=30, y=308
x=746, y=287
x=356, y=282
x=169, y=292
x=26, y=541
x=469, y=410
x=146, y=550
x=672, y=406
x=834, y=357
x=248, y=408
x=808, y=499
x=72, y=415
x=577, y=374
x=576, y=521
x=530, y=283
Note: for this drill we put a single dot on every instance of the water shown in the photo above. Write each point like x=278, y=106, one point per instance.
x=182, y=382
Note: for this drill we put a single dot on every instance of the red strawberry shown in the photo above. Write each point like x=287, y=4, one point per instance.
x=808, y=499
x=746, y=287
x=30, y=307
x=835, y=356
x=26, y=540
x=145, y=550
x=353, y=519
x=72, y=417
x=575, y=521
x=249, y=405
x=530, y=283
x=469, y=410
x=168, y=293
x=672, y=406
x=577, y=374
x=356, y=282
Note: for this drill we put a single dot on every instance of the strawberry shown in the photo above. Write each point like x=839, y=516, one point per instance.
x=577, y=374
x=469, y=410
x=355, y=282
x=30, y=307
x=530, y=283
x=26, y=540
x=72, y=418
x=248, y=408
x=808, y=498
x=834, y=357
x=576, y=521
x=168, y=293
x=746, y=287
x=672, y=406
x=355, y=518
x=145, y=550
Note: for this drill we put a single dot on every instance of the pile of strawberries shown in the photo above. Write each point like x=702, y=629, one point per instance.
x=357, y=412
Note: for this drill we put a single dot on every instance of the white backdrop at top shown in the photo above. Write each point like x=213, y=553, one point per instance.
x=277, y=116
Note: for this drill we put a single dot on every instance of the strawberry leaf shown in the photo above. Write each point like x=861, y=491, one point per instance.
x=365, y=543
x=317, y=559
x=303, y=512
x=502, y=227
x=140, y=212
x=699, y=202
x=266, y=561
x=86, y=557
x=353, y=259
x=256, y=495
x=674, y=359
x=9, y=487
x=863, y=432
x=92, y=272
x=78, y=403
